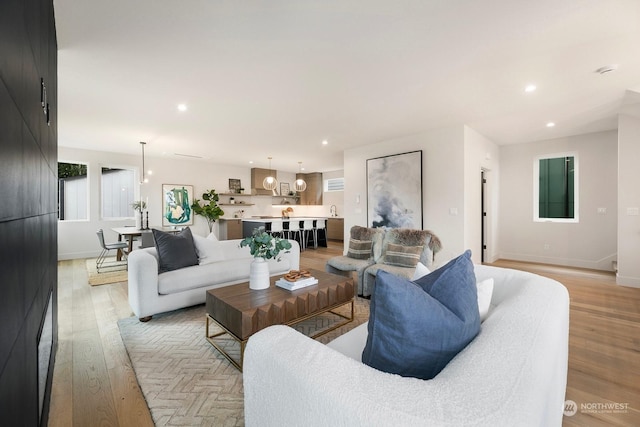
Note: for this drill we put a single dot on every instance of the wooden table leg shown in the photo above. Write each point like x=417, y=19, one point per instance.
x=119, y=252
x=130, y=244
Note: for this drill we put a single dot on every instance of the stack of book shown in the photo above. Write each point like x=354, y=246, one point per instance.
x=298, y=284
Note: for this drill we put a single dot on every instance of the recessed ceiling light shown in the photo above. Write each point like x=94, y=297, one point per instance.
x=550, y=124
x=250, y=162
x=182, y=107
x=325, y=142
x=530, y=88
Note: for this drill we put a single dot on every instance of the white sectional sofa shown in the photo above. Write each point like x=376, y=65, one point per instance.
x=151, y=293
x=512, y=374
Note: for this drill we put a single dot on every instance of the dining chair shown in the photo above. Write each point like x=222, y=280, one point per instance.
x=146, y=239
x=101, y=262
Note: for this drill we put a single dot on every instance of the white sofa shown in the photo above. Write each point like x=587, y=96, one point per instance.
x=512, y=374
x=151, y=293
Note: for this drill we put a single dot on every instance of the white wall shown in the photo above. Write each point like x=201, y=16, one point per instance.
x=591, y=243
x=335, y=197
x=442, y=184
x=628, y=198
x=452, y=159
x=77, y=239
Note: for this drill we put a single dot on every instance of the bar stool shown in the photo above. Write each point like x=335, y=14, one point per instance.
x=276, y=229
x=307, y=227
x=320, y=225
x=294, y=229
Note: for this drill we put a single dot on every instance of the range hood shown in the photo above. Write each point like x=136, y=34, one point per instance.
x=257, y=176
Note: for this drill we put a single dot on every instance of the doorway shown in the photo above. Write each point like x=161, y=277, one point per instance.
x=483, y=215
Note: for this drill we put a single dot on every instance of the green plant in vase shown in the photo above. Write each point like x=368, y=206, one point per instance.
x=139, y=205
x=211, y=211
x=263, y=245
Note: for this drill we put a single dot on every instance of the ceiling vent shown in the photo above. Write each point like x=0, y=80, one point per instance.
x=606, y=69
x=188, y=155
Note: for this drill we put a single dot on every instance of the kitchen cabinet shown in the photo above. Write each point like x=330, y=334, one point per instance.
x=335, y=229
x=230, y=228
x=313, y=194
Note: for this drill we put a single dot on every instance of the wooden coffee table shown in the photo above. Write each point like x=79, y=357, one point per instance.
x=241, y=312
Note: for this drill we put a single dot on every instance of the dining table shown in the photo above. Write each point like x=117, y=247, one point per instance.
x=130, y=232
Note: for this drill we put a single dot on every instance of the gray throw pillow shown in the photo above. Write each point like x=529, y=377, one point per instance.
x=402, y=256
x=359, y=249
x=175, y=250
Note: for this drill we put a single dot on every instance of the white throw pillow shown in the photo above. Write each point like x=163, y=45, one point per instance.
x=485, y=290
x=209, y=250
x=421, y=270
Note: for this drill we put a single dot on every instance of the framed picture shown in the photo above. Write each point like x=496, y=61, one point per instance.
x=176, y=204
x=284, y=188
x=234, y=185
x=394, y=191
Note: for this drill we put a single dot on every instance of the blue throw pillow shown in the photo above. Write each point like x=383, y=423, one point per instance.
x=416, y=328
x=175, y=250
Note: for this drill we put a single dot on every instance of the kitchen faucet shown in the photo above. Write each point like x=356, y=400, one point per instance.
x=332, y=210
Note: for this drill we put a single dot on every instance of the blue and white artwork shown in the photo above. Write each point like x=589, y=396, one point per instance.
x=394, y=191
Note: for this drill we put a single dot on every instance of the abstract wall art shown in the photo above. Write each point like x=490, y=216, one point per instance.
x=394, y=191
x=176, y=204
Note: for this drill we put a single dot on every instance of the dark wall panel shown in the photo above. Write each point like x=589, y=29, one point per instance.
x=10, y=135
x=28, y=218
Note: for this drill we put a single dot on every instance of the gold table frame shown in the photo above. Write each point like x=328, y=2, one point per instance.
x=243, y=343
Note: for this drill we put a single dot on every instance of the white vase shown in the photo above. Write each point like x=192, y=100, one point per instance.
x=259, y=274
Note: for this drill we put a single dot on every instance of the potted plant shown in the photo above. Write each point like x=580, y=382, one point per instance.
x=139, y=206
x=211, y=211
x=263, y=246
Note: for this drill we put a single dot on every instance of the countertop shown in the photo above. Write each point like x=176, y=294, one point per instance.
x=279, y=218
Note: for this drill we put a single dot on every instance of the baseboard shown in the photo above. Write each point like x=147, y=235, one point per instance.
x=605, y=264
x=629, y=282
x=78, y=255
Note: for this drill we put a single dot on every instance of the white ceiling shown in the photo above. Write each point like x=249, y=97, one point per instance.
x=275, y=78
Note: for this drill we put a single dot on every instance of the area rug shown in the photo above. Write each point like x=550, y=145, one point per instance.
x=184, y=380
x=117, y=272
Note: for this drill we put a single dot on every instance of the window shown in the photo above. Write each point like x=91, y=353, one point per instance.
x=73, y=192
x=556, y=188
x=334, y=184
x=118, y=193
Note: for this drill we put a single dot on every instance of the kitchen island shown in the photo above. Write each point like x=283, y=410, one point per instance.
x=250, y=224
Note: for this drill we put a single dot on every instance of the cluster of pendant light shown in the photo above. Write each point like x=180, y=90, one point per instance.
x=270, y=182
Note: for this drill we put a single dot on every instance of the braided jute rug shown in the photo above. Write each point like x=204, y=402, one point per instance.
x=184, y=379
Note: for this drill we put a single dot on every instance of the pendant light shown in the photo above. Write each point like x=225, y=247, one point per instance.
x=143, y=178
x=270, y=182
x=300, y=185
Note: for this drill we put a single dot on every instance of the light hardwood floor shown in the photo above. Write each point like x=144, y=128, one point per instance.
x=94, y=383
